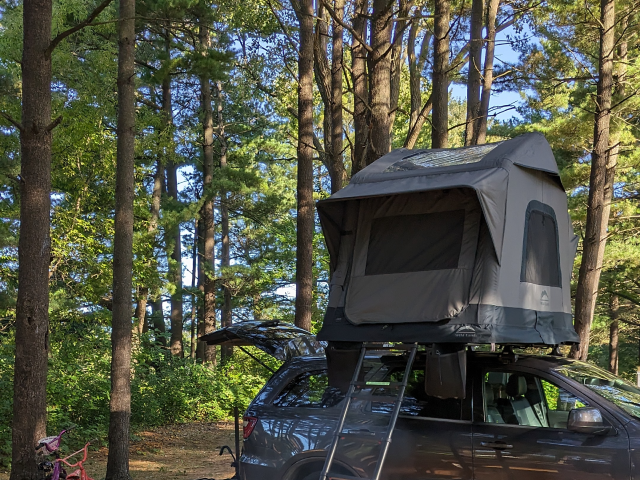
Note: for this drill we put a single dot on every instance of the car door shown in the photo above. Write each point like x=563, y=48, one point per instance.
x=520, y=430
x=432, y=438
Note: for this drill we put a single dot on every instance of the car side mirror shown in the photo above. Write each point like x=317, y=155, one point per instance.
x=587, y=420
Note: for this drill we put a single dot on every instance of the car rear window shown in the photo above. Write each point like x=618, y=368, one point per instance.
x=306, y=390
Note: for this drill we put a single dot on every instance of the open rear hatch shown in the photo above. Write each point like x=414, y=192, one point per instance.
x=281, y=340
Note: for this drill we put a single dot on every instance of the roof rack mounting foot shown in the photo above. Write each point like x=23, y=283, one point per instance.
x=507, y=355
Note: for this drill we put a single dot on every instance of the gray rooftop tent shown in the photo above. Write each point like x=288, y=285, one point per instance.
x=470, y=245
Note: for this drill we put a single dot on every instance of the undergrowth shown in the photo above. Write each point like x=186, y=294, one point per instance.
x=164, y=389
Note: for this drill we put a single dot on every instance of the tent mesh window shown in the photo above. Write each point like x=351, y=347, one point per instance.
x=442, y=158
x=415, y=243
x=541, y=259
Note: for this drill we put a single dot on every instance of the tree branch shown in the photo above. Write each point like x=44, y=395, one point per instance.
x=346, y=26
x=10, y=119
x=92, y=16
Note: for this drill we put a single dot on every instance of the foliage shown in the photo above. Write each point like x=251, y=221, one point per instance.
x=165, y=390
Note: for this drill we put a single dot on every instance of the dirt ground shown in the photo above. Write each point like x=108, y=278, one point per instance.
x=185, y=452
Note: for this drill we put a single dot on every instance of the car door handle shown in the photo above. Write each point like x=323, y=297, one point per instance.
x=496, y=445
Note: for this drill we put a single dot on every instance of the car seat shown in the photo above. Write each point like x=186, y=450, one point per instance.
x=522, y=409
x=492, y=414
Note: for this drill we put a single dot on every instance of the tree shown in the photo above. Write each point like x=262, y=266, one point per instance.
x=305, y=209
x=474, y=76
x=207, y=211
x=34, y=250
x=120, y=403
x=597, y=208
x=440, y=82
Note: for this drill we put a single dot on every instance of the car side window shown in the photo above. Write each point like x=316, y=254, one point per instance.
x=416, y=402
x=520, y=398
x=306, y=390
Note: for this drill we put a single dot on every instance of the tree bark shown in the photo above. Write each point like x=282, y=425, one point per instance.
x=338, y=173
x=597, y=207
x=141, y=312
x=120, y=403
x=34, y=248
x=440, y=82
x=380, y=80
x=226, y=352
x=174, y=237
x=207, y=212
x=474, y=77
x=614, y=305
x=305, y=208
x=481, y=125
x=360, y=81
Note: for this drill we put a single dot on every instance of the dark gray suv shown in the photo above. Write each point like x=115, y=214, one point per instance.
x=526, y=417
x=514, y=424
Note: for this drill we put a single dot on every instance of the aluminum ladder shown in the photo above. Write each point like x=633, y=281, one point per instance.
x=385, y=441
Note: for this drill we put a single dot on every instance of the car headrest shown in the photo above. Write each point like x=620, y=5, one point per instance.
x=516, y=386
x=488, y=393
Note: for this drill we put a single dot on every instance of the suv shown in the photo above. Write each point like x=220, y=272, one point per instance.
x=521, y=419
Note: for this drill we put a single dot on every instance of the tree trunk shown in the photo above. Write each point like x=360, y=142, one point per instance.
x=397, y=60
x=614, y=305
x=305, y=219
x=338, y=173
x=194, y=297
x=380, y=80
x=322, y=73
x=174, y=238
x=475, y=78
x=487, y=81
x=202, y=346
x=360, y=81
x=34, y=248
x=416, y=66
x=207, y=212
x=141, y=312
x=157, y=320
x=120, y=404
x=597, y=206
x=226, y=319
x=440, y=82
x=143, y=292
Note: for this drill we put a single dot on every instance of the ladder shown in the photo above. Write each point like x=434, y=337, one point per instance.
x=353, y=395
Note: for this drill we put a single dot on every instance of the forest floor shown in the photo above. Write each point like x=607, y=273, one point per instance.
x=185, y=452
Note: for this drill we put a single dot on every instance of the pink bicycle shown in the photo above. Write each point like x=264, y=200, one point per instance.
x=80, y=473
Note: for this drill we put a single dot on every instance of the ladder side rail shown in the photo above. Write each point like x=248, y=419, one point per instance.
x=384, y=447
x=343, y=416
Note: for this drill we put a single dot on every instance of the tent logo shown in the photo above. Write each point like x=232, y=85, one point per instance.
x=544, y=298
x=465, y=331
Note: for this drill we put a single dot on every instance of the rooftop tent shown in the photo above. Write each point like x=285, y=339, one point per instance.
x=469, y=245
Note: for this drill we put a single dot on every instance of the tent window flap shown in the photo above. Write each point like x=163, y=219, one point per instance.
x=541, y=259
x=415, y=243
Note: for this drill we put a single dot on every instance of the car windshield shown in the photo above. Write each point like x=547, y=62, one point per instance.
x=605, y=384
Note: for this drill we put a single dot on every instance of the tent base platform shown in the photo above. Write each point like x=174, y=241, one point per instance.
x=478, y=324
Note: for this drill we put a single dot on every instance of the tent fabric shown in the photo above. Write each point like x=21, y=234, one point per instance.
x=443, y=245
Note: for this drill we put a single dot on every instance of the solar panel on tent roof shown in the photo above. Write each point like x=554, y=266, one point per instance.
x=442, y=158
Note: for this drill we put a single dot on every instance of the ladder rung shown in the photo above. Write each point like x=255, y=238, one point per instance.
x=377, y=384
x=341, y=476
x=375, y=398
x=362, y=436
x=377, y=346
